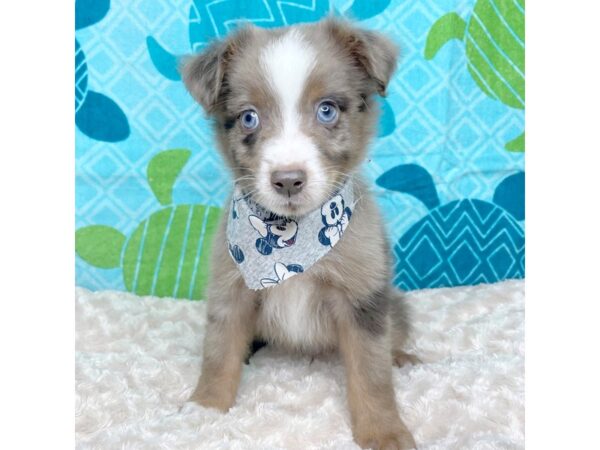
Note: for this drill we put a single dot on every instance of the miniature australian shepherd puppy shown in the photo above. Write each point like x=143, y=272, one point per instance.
x=294, y=112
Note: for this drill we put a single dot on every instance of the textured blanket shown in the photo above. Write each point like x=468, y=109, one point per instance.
x=138, y=359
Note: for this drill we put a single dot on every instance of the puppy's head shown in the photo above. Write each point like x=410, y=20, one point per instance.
x=293, y=107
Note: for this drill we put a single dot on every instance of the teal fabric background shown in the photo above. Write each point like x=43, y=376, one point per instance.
x=451, y=193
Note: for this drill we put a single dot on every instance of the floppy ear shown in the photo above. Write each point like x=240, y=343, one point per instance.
x=205, y=74
x=376, y=54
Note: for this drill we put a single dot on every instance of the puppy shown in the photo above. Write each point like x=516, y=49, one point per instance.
x=294, y=111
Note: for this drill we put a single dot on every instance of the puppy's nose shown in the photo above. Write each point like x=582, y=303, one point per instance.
x=288, y=182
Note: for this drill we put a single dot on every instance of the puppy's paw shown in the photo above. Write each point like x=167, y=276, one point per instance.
x=398, y=442
x=401, y=358
x=398, y=439
x=212, y=399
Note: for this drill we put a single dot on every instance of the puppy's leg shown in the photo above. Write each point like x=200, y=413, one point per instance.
x=399, y=314
x=229, y=331
x=364, y=339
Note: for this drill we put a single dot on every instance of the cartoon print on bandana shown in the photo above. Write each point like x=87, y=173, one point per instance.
x=335, y=216
x=267, y=242
x=282, y=273
x=236, y=253
x=277, y=233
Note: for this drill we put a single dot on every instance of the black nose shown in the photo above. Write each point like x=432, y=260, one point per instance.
x=288, y=182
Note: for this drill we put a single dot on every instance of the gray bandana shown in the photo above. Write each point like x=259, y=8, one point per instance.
x=268, y=249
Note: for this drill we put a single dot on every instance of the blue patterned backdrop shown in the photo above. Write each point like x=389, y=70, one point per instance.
x=452, y=194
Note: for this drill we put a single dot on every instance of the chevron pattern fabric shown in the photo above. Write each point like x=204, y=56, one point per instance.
x=463, y=242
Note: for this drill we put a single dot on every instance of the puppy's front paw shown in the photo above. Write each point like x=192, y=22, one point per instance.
x=211, y=398
x=398, y=439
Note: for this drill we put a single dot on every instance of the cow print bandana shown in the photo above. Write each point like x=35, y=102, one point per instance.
x=268, y=248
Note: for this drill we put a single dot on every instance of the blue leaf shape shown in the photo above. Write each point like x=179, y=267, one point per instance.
x=101, y=118
x=365, y=9
x=89, y=12
x=165, y=62
x=387, y=120
x=411, y=179
x=510, y=195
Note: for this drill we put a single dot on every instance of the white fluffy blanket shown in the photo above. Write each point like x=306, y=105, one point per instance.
x=138, y=359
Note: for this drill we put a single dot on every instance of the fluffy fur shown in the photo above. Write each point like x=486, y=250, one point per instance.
x=138, y=360
x=345, y=302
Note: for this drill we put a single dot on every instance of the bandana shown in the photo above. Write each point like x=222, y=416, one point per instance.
x=268, y=248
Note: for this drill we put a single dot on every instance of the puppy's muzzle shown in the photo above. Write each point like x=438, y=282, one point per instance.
x=288, y=182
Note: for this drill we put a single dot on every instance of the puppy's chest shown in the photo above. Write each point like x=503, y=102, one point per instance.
x=294, y=315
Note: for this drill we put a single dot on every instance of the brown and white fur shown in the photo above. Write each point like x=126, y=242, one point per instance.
x=345, y=301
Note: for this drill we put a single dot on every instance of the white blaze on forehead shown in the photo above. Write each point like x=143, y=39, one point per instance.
x=288, y=62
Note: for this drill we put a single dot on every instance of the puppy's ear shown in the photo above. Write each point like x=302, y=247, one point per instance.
x=205, y=73
x=373, y=52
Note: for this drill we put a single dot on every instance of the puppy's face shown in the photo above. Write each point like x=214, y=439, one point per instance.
x=293, y=107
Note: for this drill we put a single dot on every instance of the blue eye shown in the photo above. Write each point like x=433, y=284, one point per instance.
x=249, y=119
x=327, y=112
